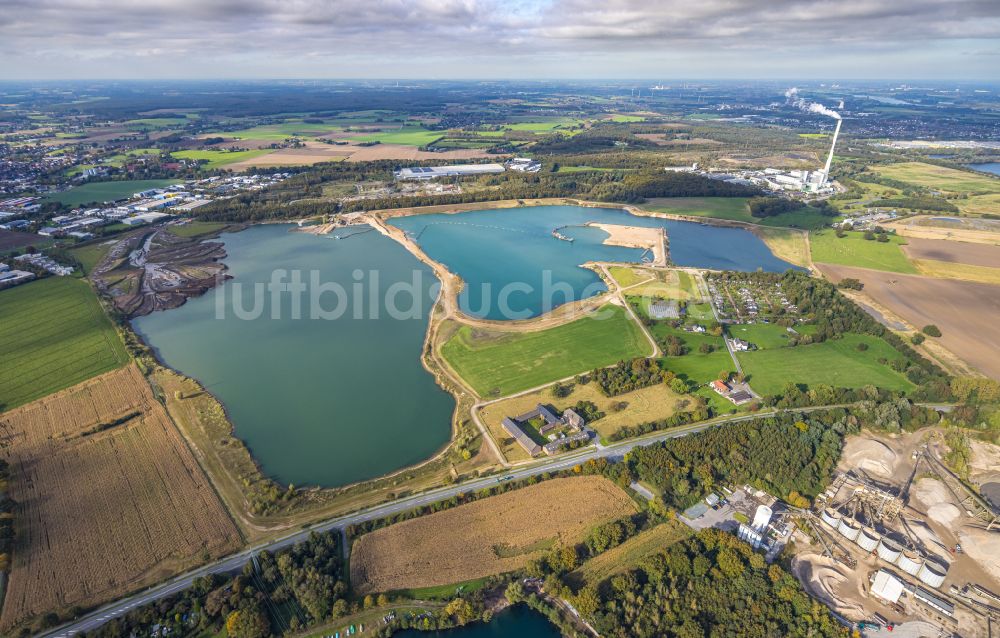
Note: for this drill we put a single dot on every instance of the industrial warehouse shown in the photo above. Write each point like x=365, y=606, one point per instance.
x=458, y=170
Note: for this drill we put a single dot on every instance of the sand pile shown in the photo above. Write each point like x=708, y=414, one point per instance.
x=929, y=539
x=870, y=455
x=930, y=492
x=823, y=578
x=982, y=546
x=984, y=464
x=945, y=514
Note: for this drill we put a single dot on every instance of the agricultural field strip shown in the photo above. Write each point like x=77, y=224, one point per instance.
x=120, y=475
x=487, y=536
x=74, y=320
x=235, y=562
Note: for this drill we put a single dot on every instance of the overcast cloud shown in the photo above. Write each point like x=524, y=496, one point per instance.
x=945, y=39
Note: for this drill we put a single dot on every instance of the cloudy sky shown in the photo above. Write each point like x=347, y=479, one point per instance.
x=668, y=39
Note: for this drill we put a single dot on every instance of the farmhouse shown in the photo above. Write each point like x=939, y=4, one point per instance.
x=551, y=426
x=740, y=344
x=521, y=436
x=737, y=395
x=740, y=397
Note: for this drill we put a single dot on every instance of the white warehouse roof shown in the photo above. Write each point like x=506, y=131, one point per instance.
x=886, y=586
x=430, y=172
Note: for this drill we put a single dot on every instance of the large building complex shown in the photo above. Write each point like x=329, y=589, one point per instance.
x=458, y=170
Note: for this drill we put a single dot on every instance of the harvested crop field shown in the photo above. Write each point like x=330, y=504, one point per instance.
x=109, y=497
x=955, y=252
x=965, y=311
x=405, y=152
x=490, y=536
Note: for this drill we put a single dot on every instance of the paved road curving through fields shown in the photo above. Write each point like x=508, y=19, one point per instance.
x=235, y=562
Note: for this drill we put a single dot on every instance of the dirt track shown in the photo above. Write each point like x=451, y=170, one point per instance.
x=966, y=312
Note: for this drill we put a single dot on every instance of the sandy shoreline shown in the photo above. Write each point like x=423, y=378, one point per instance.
x=652, y=239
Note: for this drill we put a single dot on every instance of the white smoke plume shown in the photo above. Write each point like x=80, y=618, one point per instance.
x=792, y=95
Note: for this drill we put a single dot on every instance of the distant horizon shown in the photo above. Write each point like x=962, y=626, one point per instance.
x=805, y=81
x=571, y=39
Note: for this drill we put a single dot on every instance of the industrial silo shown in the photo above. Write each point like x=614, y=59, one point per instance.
x=831, y=517
x=932, y=573
x=849, y=529
x=909, y=562
x=888, y=550
x=868, y=539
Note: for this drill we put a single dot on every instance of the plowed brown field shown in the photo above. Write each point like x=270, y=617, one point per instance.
x=966, y=312
x=490, y=536
x=109, y=497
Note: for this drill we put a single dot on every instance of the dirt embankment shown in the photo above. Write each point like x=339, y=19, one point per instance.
x=157, y=270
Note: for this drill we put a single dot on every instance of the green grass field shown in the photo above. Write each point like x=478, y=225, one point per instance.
x=940, y=178
x=734, y=209
x=766, y=336
x=693, y=340
x=630, y=554
x=218, y=159
x=627, y=118
x=194, y=229
x=700, y=368
x=121, y=159
x=156, y=122
x=107, y=191
x=53, y=334
x=406, y=135
x=91, y=254
x=584, y=169
x=498, y=364
x=855, y=250
x=293, y=128
x=545, y=126
x=836, y=362
x=627, y=276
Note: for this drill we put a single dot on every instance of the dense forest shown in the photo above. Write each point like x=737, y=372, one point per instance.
x=302, y=194
x=789, y=455
x=293, y=589
x=626, y=376
x=709, y=585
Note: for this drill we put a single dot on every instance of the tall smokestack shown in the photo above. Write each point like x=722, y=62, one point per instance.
x=829, y=160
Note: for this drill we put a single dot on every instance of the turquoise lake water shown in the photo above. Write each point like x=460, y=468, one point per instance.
x=318, y=401
x=989, y=167
x=493, y=249
x=518, y=621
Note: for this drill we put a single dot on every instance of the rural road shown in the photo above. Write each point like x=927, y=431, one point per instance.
x=235, y=562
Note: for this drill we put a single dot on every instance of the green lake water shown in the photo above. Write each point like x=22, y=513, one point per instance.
x=519, y=621
x=495, y=250
x=318, y=401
